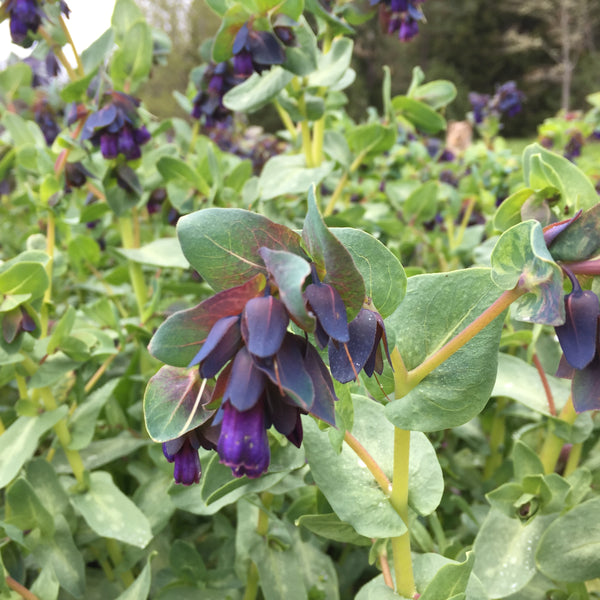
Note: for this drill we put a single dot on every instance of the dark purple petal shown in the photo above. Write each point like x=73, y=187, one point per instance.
x=127, y=144
x=585, y=388
x=555, y=229
x=295, y=436
x=280, y=410
x=246, y=383
x=104, y=117
x=375, y=361
x=183, y=452
x=141, y=135
x=265, y=49
x=564, y=370
x=222, y=342
x=242, y=64
x=240, y=39
x=577, y=336
x=27, y=323
x=243, y=444
x=109, y=145
x=363, y=331
x=323, y=407
x=286, y=370
x=264, y=323
x=326, y=303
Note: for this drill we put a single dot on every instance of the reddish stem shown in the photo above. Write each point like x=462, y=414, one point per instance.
x=546, y=384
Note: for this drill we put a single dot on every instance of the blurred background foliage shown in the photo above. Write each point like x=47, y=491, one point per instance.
x=477, y=44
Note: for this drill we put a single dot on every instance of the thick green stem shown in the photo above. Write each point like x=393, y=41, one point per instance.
x=553, y=444
x=405, y=583
x=402, y=559
x=468, y=333
x=116, y=556
x=573, y=460
x=136, y=275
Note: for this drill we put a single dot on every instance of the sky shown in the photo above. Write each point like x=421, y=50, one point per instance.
x=88, y=21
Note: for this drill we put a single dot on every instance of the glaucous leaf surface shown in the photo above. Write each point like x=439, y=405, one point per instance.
x=437, y=307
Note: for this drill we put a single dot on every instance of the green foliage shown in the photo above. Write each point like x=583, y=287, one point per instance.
x=451, y=464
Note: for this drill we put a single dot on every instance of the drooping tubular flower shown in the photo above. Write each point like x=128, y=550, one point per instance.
x=25, y=18
x=255, y=51
x=266, y=376
x=400, y=16
x=116, y=128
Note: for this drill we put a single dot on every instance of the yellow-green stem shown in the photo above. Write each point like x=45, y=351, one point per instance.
x=573, y=460
x=495, y=458
x=553, y=444
x=468, y=333
x=136, y=275
x=378, y=474
x=464, y=222
x=50, y=244
x=318, y=137
x=116, y=556
x=286, y=120
x=101, y=370
x=60, y=55
x=64, y=436
x=306, y=143
x=405, y=583
x=80, y=69
x=402, y=559
x=194, y=137
x=336, y=194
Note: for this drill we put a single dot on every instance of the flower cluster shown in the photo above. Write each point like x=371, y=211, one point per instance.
x=268, y=376
x=506, y=101
x=400, y=17
x=217, y=80
x=116, y=127
x=25, y=18
x=255, y=51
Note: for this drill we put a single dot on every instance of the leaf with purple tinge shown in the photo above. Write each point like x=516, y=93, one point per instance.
x=363, y=330
x=289, y=271
x=577, y=336
x=175, y=402
x=521, y=257
x=581, y=240
x=585, y=388
x=287, y=371
x=334, y=262
x=177, y=340
x=223, y=244
x=264, y=323
x=246, y=382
